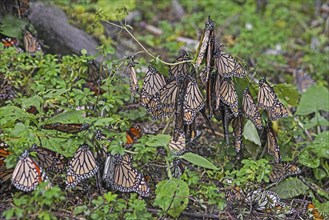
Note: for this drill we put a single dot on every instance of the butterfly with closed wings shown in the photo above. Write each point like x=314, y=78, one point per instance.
x=27, y=173
x=120, y=175
x=82, y=166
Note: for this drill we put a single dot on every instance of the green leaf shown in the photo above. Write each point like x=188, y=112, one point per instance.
x=289, y=188
x=159, y=140
x=198, y=160
x=172, y=196
x=250, y=133
x=314, y=99
x=67, y=117
x=309, y=159
x=287, y=93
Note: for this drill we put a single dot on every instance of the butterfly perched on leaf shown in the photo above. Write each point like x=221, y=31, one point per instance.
x=120, y=175
x=82, y=166
x=27, y=174
x=71, y=128
x=281, y=171
x=177, y=145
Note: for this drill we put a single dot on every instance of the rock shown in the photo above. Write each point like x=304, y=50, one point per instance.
x=57, y=34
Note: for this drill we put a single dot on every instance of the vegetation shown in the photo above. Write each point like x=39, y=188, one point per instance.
x=276, y=41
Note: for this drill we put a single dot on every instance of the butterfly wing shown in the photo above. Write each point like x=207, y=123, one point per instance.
x=228, y=95
x=163, y=103
x=266, y=95
x=49, y=159
x=31, y=43
x=179, y=71
x=82, y=166
x=209, y=28
x=250, y=109
x=272, y=144
x=178, y=146
x=278, y=111
x=71, y=128
x=153, y=82
x=27, y=174
x=193, y=102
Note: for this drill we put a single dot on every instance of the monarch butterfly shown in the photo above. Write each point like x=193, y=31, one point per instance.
x=82, y=166
x=7, y=92
x=266, y=95
x=178, y=146
x=228, y=95
x=302, y=79
x=193, y=102
x=4, y=152
x=237, y=132
x=250, y=109
x=27, y=173
x=23, y=8
x=272, y=143
x=278, y=111
x=48, y=159
x=31, y=43
x=209, y=28
x=153, y=82
x=163, y=103
x=281, y=171
x=9, y=42
x=133, y=133
x=122, y=176
x=179, y=71
x=177, y=168
x=5, y=173
x=314, y=211
x=226, y=65
x=71, y=128
x=132, y=74
x=234, y=194
x=262, y=200
x=204, y=75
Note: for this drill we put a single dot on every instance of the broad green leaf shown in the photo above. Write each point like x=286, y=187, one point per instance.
x=309, y=159
x=290, y=188
x=314, y=99
x=172, y=196
x=9, y=114
x=198, y=160
x=317, y=120
x=159, y=140
x=250, y=133
x=67, y=117
x=32, y=101
x=287, y=93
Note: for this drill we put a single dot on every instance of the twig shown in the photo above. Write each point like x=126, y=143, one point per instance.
x=141, y=45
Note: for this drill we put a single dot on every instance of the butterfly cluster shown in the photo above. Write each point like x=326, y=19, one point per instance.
x=258, y=200
x=118, y=171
